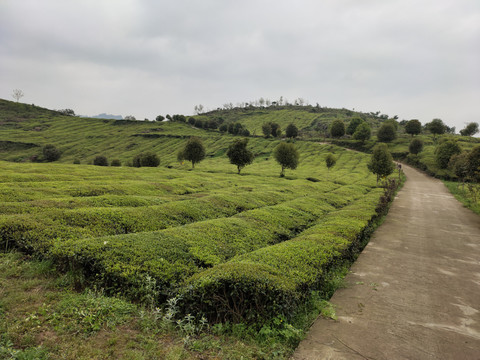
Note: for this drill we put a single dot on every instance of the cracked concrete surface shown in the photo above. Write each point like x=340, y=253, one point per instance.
x=414, y=292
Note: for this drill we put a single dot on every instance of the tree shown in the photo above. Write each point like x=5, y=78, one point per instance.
x=445, y=151
x=416, y=146
x=287, y=156
x=198, y=109
x=474, y=164
x=337, y=129
x=17, y=94
x=363, y=132
x=413, y=127
x=470, y=130
x=100, y=160
x=276, y=131
x=148, y=159
x=353, y=124
x=386, y=133
x=459, y=165
x=239, y=154
x=194, y=151
x=436, y=127
x=223, y=128
x=381, y=162
x=291, y=131
x=51, y=153
x=160, y=118
x=130, y=117
x=267, y=130
x=330, y=161
x=68, y=112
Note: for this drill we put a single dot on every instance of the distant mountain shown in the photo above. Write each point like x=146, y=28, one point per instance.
x=107, y=116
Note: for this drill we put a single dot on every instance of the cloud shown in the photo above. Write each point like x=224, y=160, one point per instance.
x=147, y=57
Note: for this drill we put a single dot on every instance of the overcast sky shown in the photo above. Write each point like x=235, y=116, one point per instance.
x=411, y=58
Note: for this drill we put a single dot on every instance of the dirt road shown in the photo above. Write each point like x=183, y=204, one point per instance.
x=414, y=292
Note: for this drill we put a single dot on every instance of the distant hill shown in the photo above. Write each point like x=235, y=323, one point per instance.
x=107, y=116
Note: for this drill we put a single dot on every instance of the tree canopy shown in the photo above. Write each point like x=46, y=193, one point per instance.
x=194, y=151
x=337, y=129
x=287, y=156
x=436, y=127
x=239, y=154
x=291, y=131
x=363, y=132
x=381, y=162
x=353, y=124
x=413, y=127
x=445, y=151
x=386, y=133
x=470, y=130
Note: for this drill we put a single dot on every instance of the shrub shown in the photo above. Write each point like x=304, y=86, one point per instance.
x=147, y=159
x=287, y=156
x=459, y=165
x=416, y=146
x=100, y=160
x=51, y=153
x=267, y=129
x=445, y=151
x=386, y=133
x=330, y=161
x=474, y=164
x=337, y=129
x=115, y=162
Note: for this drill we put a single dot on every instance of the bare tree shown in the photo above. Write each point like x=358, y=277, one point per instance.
x=17, y=94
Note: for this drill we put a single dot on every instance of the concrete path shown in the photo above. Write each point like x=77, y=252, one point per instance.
x=414, y=292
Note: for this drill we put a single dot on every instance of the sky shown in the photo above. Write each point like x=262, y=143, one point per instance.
x=417, y=59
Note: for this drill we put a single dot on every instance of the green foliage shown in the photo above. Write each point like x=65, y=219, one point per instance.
x=445, y=151
x=239, y=154
x=267, y=129
x=362, y=132
x=337, y=128
x=470, y=130
x=194, y=151
x=160, y=118
x=459, y=164
x=436, y=127
x=381, y=162
x=353, y=124
x=51, y=153
x=330, y=161
x=291, y=131
x=116, y=162
x=147, y=159
x=287, y=156
x=413, y=127
x=474, y=164
x=416, y=146
x=100, y=160
x=386, y=133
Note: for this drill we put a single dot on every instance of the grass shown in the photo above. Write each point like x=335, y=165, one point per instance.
x=463, y=194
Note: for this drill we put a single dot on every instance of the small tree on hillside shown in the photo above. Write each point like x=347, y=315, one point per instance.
x=239, y=154
x=459, y=165
x=160, y=118
x=474, y=164
x=287, y=156
x=445, y=151
x=353, y=124
x=194, y=151
x=276, y=131
x=381, y=162
x=330, y=161
x=386, y=133
x=416, y=146
x=436, y=127
x=337, y=129
x=413, y=127
x=17, y=94
x=470, y=130
x=291, y=131
x=363, y=132
x=267, y=130
x=51, y=153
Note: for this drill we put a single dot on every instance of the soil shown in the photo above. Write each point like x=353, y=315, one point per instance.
x=414, y=292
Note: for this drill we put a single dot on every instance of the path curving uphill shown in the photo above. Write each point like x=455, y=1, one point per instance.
x=414, y=292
